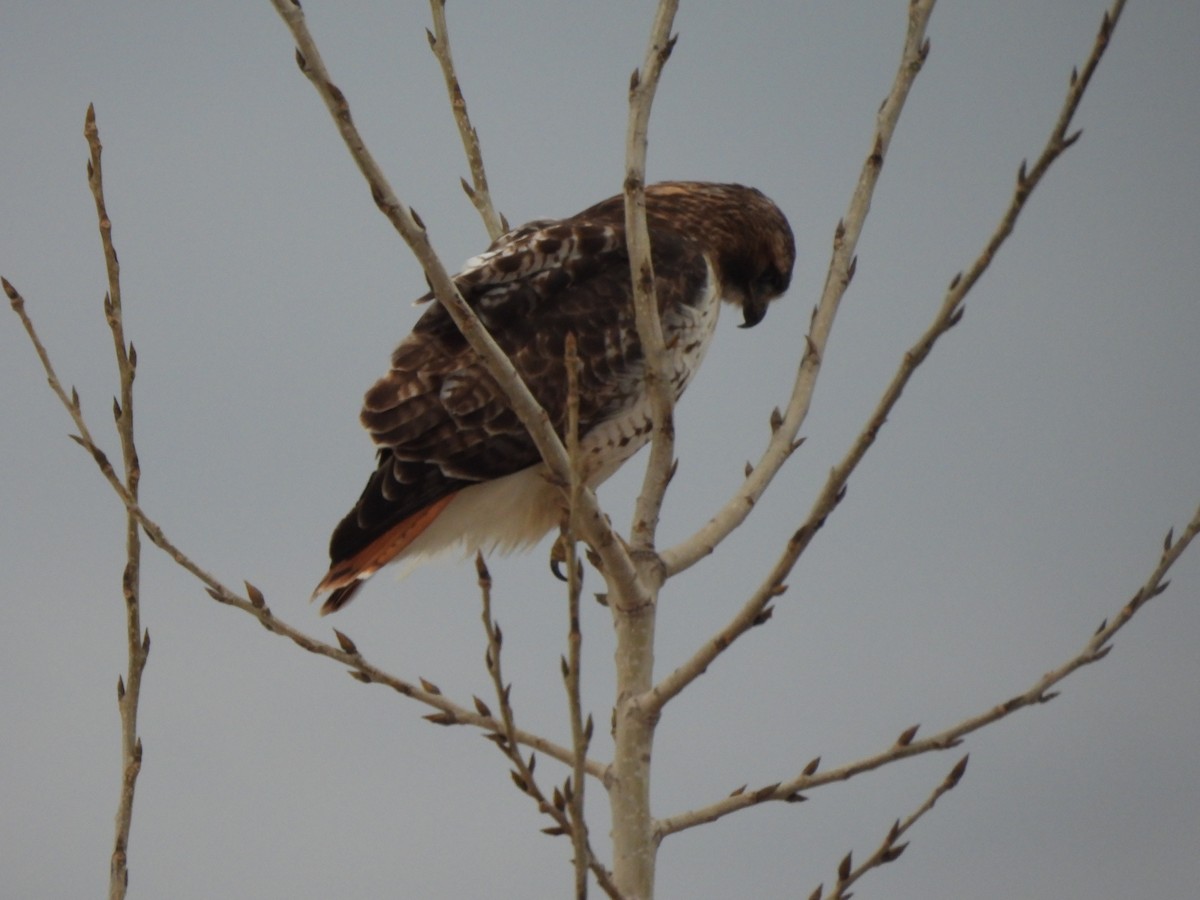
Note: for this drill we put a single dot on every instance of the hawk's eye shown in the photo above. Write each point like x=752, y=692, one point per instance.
x=770, y=282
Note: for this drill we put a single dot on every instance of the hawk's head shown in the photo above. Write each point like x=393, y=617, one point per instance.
x=744, y=234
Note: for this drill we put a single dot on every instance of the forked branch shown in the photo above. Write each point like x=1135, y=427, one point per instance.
x=565, y=807
x=888, y=850
x=757, y=607
x=634, y=615
x=345, y=652
x=785, y=426
x=906, y=744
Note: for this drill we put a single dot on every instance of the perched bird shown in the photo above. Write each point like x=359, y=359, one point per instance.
x=455, y=465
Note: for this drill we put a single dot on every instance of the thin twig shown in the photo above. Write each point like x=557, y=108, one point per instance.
x=129, y=687
x=477, y=191
x=906, y=745
x=642, y=88
x=581, y=734
x=888, y=850
x=522, y=771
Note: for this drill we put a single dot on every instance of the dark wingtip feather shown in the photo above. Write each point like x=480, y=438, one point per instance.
x=340, y=597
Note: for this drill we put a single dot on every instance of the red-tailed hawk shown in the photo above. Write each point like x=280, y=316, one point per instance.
x=455, y=465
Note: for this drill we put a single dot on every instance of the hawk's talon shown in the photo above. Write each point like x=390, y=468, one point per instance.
x=558, y=556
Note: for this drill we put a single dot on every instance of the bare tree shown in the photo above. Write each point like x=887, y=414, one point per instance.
x=633, y=565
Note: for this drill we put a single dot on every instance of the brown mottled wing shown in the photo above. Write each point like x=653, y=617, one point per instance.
x=441, y=421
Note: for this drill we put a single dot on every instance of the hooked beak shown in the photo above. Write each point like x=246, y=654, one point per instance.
x=753, y=310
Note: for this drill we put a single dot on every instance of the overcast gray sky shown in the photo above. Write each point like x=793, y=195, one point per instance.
x=1017, y=497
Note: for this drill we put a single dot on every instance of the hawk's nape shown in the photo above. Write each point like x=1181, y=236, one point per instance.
x=455, y=466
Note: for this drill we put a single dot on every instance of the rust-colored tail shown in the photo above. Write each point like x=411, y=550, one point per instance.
x=346, y=576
